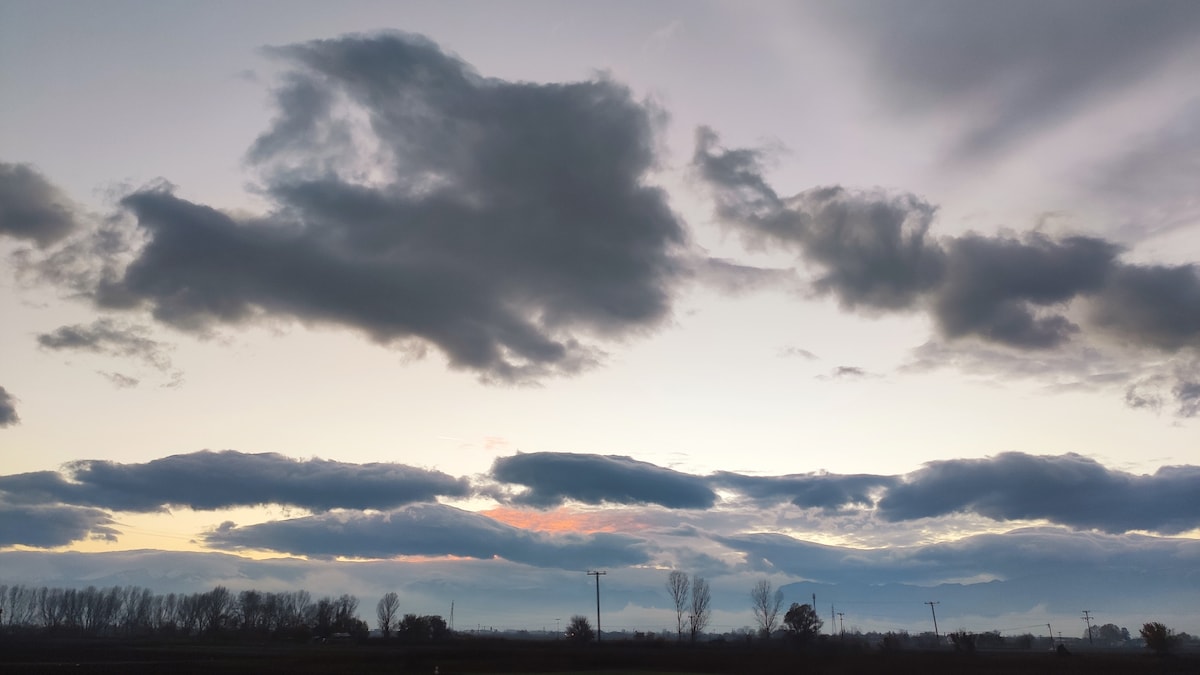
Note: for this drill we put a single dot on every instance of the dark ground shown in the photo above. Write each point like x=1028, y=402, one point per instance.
x=494, y=657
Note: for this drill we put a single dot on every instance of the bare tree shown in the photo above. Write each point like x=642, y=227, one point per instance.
x=701, y=598
x=766, y=603
x=386, y=610
x=677, y=588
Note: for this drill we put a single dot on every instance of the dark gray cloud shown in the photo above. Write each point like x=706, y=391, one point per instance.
x=873, y=248
x=215, y=480
x=1066, y=489
x=8, y=409
x=429, y=530
x=31, y=207
x=553, y=477
x=873, y=252
x=829, y=492
x=502, y=223
x=106, y=336
x=1158, y=305
x=1014, y=67
x=994, y=286
x=49, y=525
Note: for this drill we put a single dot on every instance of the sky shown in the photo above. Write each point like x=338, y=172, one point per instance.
x=889, y=302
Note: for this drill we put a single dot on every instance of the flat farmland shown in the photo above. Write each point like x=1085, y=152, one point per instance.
x=517, y=657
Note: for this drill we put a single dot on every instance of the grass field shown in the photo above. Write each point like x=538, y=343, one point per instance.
x=532, y=658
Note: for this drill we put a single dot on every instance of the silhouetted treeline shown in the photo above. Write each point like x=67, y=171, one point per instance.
x=134, y=611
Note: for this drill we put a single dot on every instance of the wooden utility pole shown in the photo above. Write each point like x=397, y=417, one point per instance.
x=597, y=575
x=934, y=612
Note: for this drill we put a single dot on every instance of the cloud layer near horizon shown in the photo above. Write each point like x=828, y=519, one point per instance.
x=365, y=506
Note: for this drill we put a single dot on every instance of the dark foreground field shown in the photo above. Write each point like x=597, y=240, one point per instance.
x=108, y=656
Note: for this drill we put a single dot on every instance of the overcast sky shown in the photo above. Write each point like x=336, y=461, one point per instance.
x=886, y=301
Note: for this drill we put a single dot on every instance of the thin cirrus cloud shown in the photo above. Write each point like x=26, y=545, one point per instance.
x=874, y=252
x=1016, y=68
x=509, y=225
x=209, y=480
x=429, y=530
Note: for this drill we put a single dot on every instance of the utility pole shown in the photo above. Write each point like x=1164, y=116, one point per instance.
x=451, y=616
x=832, y=619
x=842, y=630
x=1087, y=616
x=1051, y=635
x=931, y=603
x=597, y=575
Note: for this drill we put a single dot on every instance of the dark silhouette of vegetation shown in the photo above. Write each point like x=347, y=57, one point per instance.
x=385, y=612
x=678, y=587
x=422, y=629
x=963, y=641
x=802, y=622
x=135, y=611
x=701, y=599
x=766, y=603
x=1159, y=638
x=579, y=629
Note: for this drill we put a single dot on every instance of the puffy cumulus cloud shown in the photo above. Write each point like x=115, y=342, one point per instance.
x=1013, y=68
x=553, y=477
x=50, y=525
x=1067, y=489
x=1027, y=293
x=31, y=207
x=829, y=492
x=506, y=224
x=215, y=480
x=8, y=409
x=106, y=336
x=429, y=530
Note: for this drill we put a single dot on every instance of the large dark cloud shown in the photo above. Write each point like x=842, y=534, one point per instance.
x=1014, y=67
x=424, y=204
x=8, y=409
x=873, y=252
x=31, y=207
x=830, y=492
x=553, y=477
x=429, y=530
x=105, y=336
x=50, y=525
x=216, y=480
x=1067, y=489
